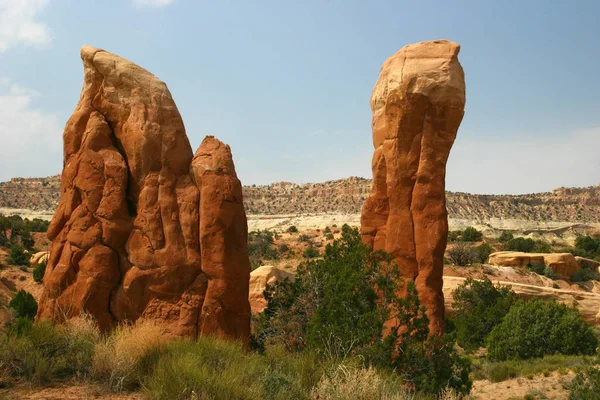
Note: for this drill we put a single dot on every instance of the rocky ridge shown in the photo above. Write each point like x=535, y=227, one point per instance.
x=39, y=197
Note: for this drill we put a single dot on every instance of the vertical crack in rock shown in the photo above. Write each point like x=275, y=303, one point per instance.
x=128, y=229
x=418, y=104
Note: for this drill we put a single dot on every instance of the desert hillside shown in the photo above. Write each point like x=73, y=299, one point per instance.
x=40, y=196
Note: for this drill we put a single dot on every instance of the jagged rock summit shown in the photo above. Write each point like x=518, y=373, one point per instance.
x=141, y=230
x=418, y=104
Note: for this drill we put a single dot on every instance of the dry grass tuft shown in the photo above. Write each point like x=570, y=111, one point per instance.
x=122, y=360
x=349, y=383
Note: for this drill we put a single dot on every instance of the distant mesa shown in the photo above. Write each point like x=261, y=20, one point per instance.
x=143, y=228
x=418, y=104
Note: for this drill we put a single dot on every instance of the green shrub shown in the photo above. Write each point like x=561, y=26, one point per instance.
x=584, y=275
x=311, y=252
x=587, y=246
x=283, y=248
x=292, y=229
x=337, y=307
x=41, y=352
x=471, y=234
x=39, y=271
x=505, y=237
x=23, y=305
x=479, y=306
x=536, y=328
x=585, y=385
x=520, y=244
x=537, y=268
x=18, y=255
x=549, y=273
x=482, y=252
x=541, y=246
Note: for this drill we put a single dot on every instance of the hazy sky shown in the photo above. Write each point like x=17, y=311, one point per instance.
x=287, y=82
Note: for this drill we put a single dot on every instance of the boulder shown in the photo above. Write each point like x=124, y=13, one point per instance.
x=126, y=234
x=38, y=258
x=562, y=264
x=418, y=104
x=259, y=279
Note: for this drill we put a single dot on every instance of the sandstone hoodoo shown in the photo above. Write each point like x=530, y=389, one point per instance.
x=141, y=230
x=418, y=104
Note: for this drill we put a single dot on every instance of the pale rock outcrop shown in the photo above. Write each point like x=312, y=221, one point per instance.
x=126, y=234
x=38, y=258
x=418, y=104
x=259, y=279
x=562, y=264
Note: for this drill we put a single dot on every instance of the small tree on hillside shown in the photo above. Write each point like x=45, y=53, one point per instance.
x=18, y=255
x=471, y=234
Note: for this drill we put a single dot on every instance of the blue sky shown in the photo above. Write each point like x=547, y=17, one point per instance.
x=287, y=83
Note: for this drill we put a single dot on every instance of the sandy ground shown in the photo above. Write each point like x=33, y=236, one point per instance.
x=551, y=387
x=67, y=392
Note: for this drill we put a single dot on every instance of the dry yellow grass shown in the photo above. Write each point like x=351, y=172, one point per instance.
x=349, y=383
x=121, y=358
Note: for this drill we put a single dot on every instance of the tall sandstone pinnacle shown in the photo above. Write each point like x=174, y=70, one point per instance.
x=418, y=104
x=143, y=229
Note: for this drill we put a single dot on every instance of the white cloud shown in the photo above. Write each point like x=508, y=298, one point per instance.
x=18, y=24
x=152, y=3
x=525, y=163
x=31, y=138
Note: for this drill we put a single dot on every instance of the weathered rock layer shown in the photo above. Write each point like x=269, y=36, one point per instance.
x=418, y=104
x=141, y=231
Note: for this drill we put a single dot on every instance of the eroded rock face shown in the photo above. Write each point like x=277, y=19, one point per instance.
x=126, y=234
x=418, y=104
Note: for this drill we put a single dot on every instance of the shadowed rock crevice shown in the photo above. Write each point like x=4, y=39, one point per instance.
x=131, y=236
x=418, y=104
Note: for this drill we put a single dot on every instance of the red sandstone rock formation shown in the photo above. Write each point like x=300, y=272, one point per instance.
x=418, y=104
x=126, y=234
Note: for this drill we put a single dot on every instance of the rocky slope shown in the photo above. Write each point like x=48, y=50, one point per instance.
x=346, y=196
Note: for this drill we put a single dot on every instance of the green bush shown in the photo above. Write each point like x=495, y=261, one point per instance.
x=536, y=328
x=337, y=307
x=482, y=252
x=520, y=244
x=505, y=237
x=18, y=255
x=584, y=275
x=23, y=305
x=479, y=306
x=41, y=352
x=537, y=268
x=585, y=385
x=541, y=246
x=587, y=246
x=471, y=234
x=39, y=271
x=292, y=229
x=311, y=252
